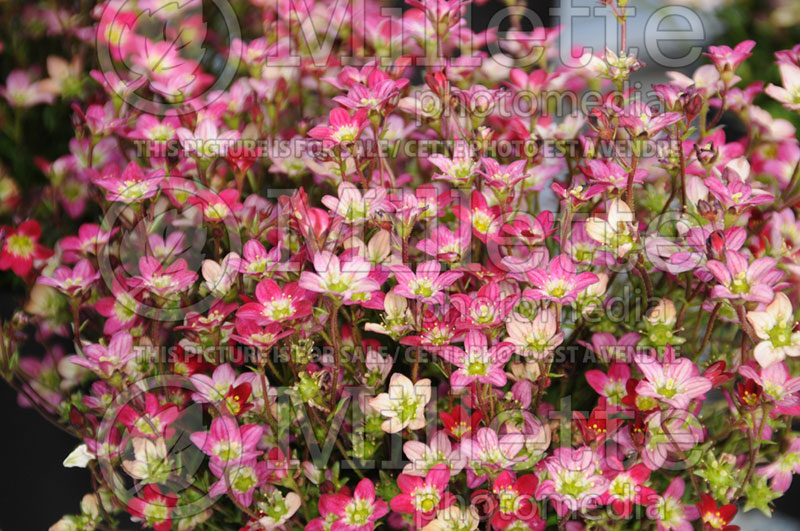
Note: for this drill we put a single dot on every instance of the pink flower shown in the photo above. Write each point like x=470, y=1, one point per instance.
x=639, y=119
x=777, y=383
x=626, y=487
x=154, y=509
x=423, y=456
x=354, y=207
x=132, y=185
x=216, y=206
x=485, y=309
x=780, y=471
x=359, y=512
x=573, y=481
x=257, y=261
x=558, y=283
x=103, y=360
x=486, y=451
x=344, y=279
x=120, y=310
x=611, y=385
x=153, y=422
x=486, y=221
x=216, y=387
x=684, y=433
x=206, y=142
x=610, y=175
x=72, y=281
x=239, y=480
x=740, y=279
x=276, y=305
x=503, y=177
x=90, y=239
x=227, y=442
x=789, y=94
x=20, y=91
x=427, y=284
x=675, y=383
x=477, y=362
x=610, y=349
x=342, y=128
x=446, y=245
x=737, y=194
x=423, y=497
x=537, y=338
x=164, y=283
x=21, y=248
x=669, y=512
x=727, y=59
x=458, y=170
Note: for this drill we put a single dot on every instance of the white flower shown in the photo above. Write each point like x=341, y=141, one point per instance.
x=79, y=457
x=454, y=518
x=775, y=327
x=278, y=509
x=404, y=404
x=151, y=463
x=616, y=231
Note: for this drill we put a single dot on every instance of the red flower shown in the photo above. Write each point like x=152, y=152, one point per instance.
x=716, y=517
x=155, y=509
x=459, y=424
x=22, y=247
x=423, y=497
x=513, y=499
x=748, y=394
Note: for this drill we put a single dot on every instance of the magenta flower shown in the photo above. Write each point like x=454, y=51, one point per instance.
x=344, y=279
x=257, y=261
x=120, y=310
x=132, y=186
x=640, y=120
x=486, y=220
x=153, y=422
x=675, y=383
x=164, y=283
x=227, y=442
x=105, y=360
x=427, y=284
x=668, y=510
x=342, y=128
x=154, y=509
x=740, y=279
x=611, y=385
x=277, y=305
x=72, y=281
x=477, y=362
x=737, y=194
x=610, y=175
x=216, y=206
x=458, y=170
x=514, y=501
x=626, y=487
x=423, y=497
x=503, y=177
x=359, y=512
x=560, y=282
x=572, y=480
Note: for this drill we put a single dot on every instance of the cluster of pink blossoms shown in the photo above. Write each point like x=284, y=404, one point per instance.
x=325, y=297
